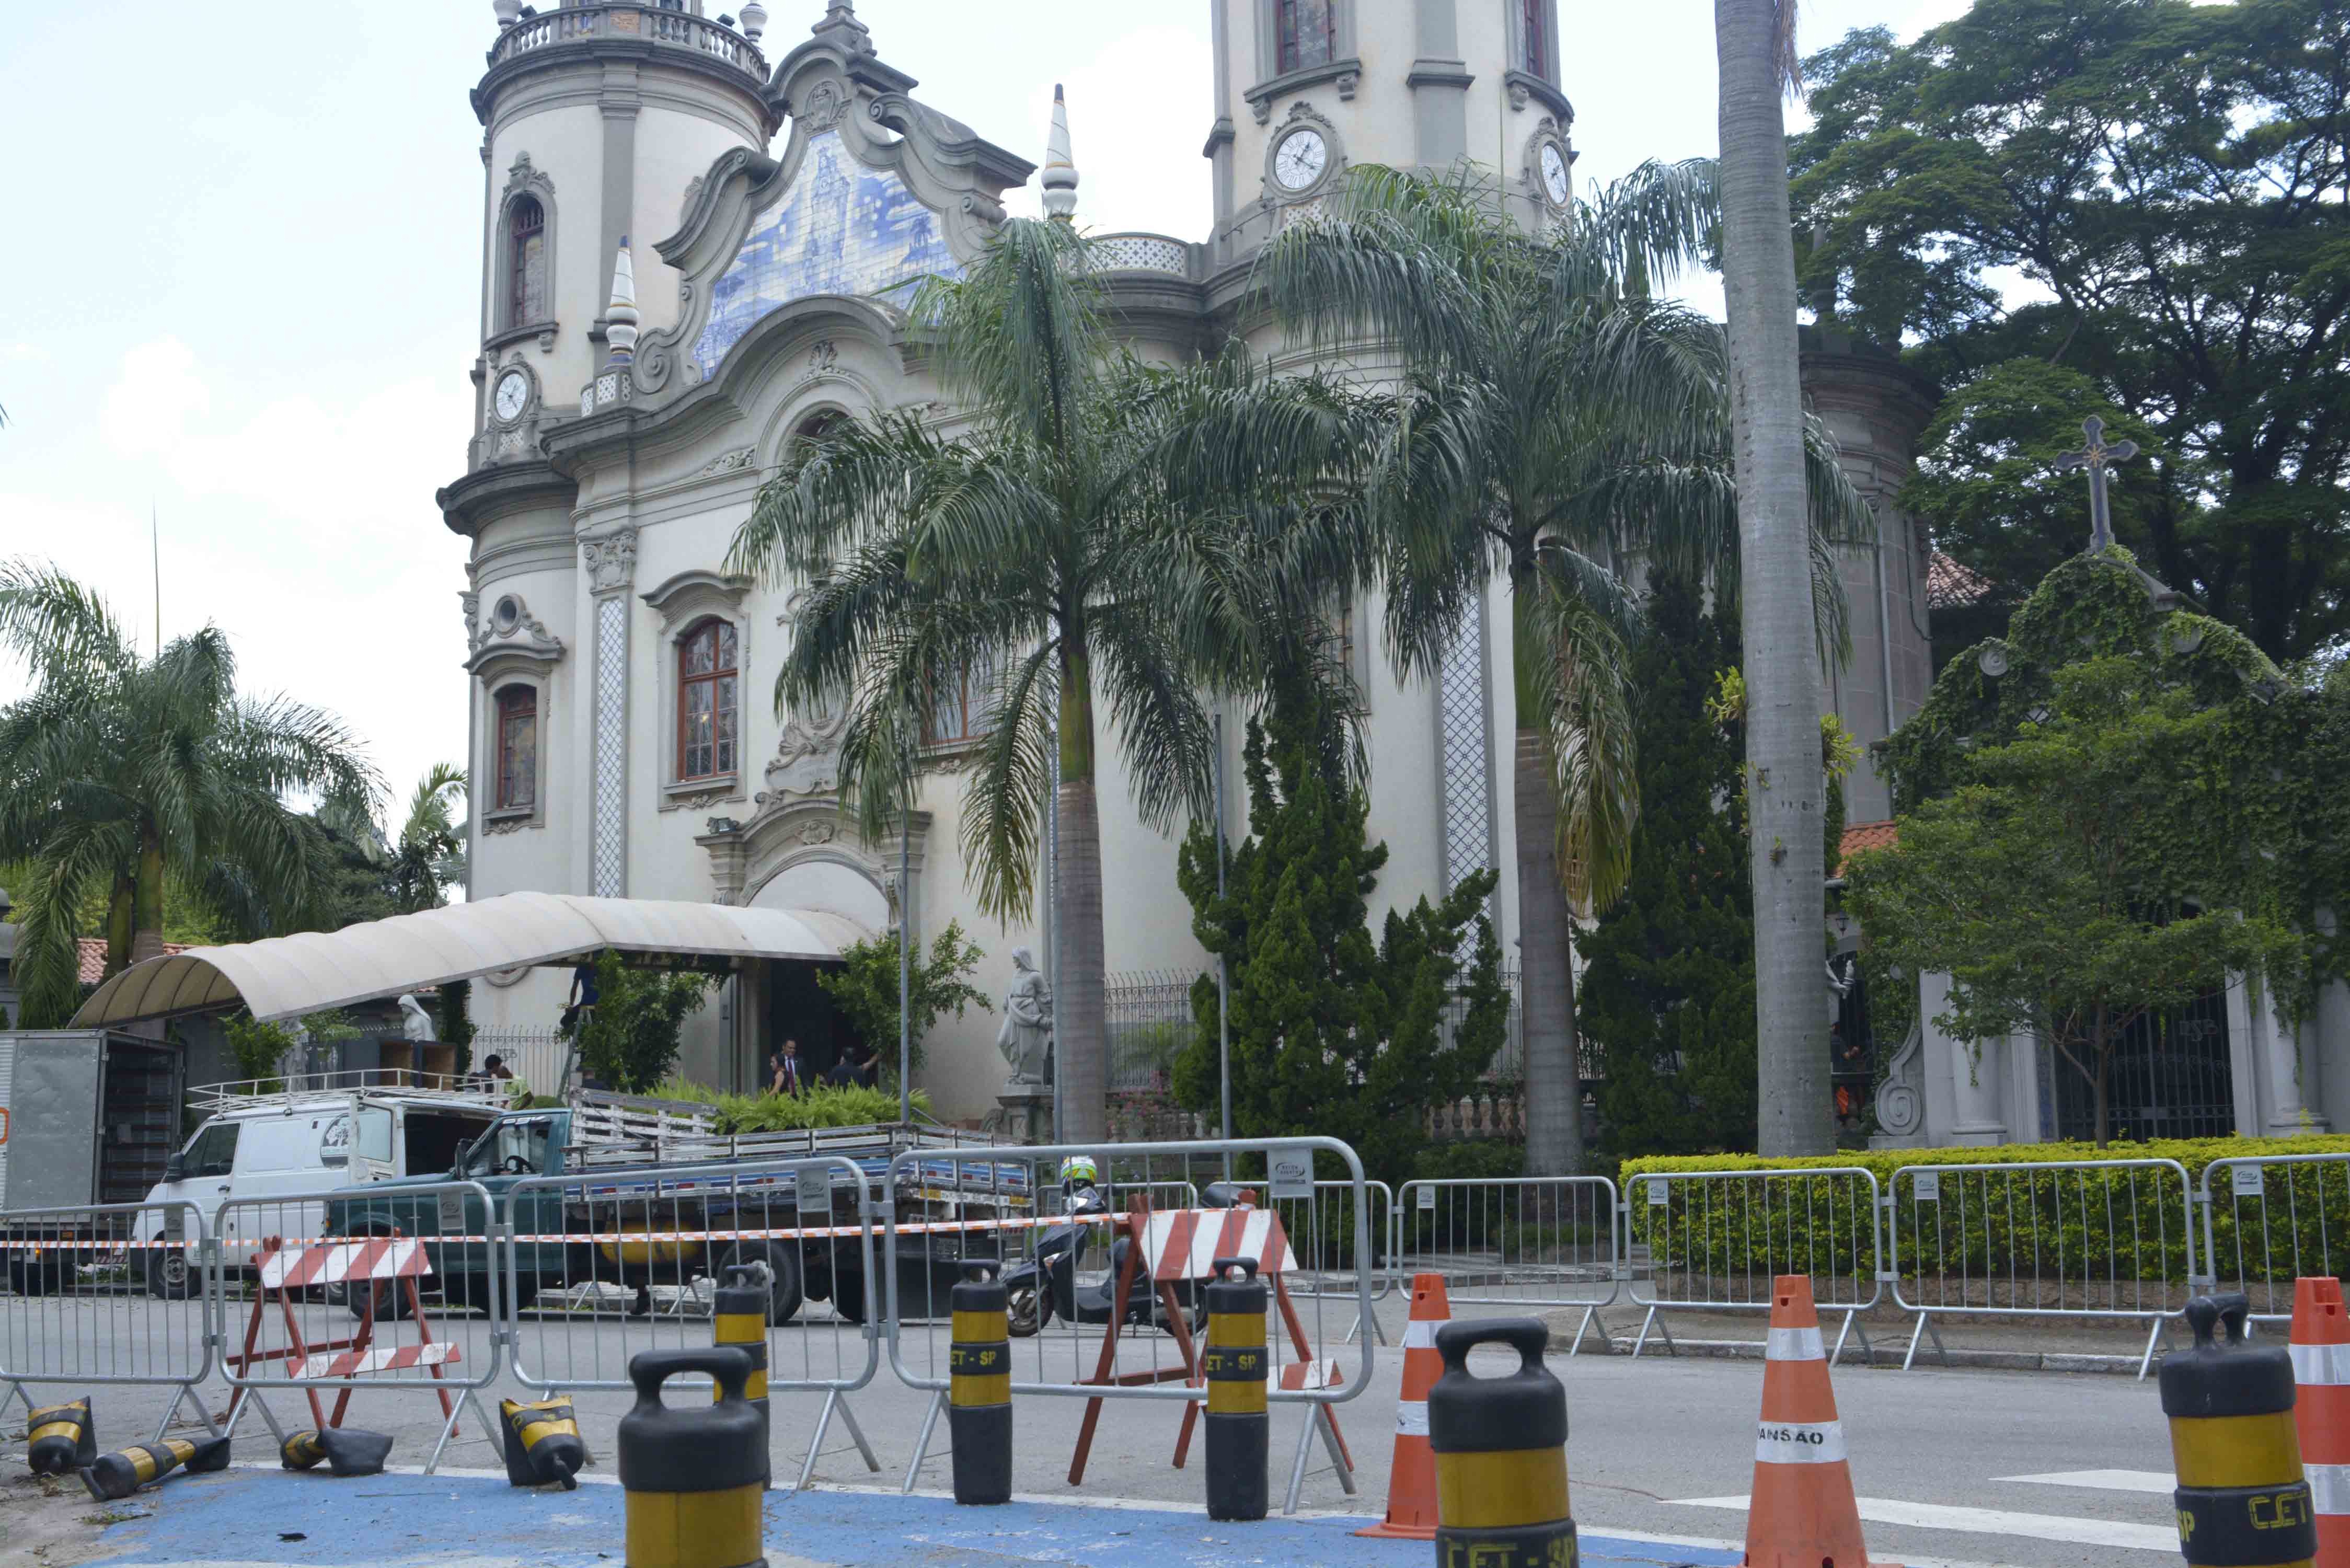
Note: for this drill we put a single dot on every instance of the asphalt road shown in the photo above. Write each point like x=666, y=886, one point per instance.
x=2034, y=1470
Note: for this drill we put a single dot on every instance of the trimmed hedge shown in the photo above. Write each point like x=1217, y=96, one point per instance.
x=2081, y=1226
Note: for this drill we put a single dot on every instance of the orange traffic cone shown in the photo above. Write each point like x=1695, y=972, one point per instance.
x=1801, y=1514
x=1411, y=1478
x=2320, y=1410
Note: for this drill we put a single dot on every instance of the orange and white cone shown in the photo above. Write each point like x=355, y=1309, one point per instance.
x=1802, y=1513
x=2320, y=1410
x=1411, y=1478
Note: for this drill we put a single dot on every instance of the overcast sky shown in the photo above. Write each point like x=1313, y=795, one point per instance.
x=239, y=285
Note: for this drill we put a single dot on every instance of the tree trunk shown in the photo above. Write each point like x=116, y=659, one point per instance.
x=1545, y=970
x=147, y=897
x=119, y=925
x=1792, y=1113
x=1082, y=1035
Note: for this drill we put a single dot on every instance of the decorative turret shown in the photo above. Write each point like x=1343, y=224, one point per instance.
x=1060, y=178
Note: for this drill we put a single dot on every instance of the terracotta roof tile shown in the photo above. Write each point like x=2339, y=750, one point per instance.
x=91, y=951
x=1860, y=835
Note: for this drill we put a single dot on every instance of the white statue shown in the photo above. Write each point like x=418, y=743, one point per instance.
x=1026, y=1037
x=414, y=1021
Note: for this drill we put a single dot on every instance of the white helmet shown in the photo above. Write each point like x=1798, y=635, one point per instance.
x=1077, y=1170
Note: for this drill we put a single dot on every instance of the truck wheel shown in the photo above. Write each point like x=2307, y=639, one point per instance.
x=848, y=1296
x=391, y=1301
x=169, y=1276
x=784, y=1265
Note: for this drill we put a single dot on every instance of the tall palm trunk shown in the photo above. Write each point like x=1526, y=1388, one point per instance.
x=1079, y=1025
x=1782, y=721
x=146, y=897
x=119, y=925
x=1546, y=969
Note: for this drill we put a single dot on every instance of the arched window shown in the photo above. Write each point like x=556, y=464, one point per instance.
x=1536, y=36
x=1309, y=34
x=525, y=262
x=518, y=743
x=706, y=706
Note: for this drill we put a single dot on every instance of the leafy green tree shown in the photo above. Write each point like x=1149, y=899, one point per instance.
x=122, y=774
x=384, y=872
x=1332, y=1033
x=455, y=1024
x=1552, y=419
x=1047, y=549
x=2049, y=884
x=630, y=1039
x=2167, y=180
x=1668, y=993
x=865, y=987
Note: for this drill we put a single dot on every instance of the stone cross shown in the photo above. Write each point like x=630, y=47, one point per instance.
x=2094, y=457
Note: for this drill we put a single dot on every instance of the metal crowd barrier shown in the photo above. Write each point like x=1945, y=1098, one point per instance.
x=368, y=1288
x=946, y=1208
x=1516, y=1242
x=1320, y=1229
x=1713, y=1241
x=112, y=1293
x=605, y=1265
x=2093, y=1238
x=2269, y=1219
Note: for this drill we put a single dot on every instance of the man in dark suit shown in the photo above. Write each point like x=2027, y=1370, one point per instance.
x=784, y=1076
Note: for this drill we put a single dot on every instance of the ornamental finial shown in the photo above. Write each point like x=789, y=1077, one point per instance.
x=1060, y=179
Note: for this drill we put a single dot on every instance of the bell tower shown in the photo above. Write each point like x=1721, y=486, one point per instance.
x=1306, y=88
x=597, y=117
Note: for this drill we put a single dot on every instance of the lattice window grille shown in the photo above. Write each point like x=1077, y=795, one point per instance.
x=612, y=746
x=1140, y=252
x=1467, y=756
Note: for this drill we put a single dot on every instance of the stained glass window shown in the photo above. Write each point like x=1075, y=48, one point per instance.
x=526, y=257
x=707, y=712
x=517, y=749
x=1309, y=32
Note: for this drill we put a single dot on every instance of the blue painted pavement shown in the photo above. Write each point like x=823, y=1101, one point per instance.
x=246, y=1517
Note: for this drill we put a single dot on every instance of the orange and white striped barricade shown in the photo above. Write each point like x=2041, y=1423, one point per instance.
x=282, y=1271
x=2320, y=1410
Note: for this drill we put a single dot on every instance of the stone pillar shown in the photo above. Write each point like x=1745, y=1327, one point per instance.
x=2289, y=1097
x=611, y=563
x=1975, y=1072
x=1875, y=409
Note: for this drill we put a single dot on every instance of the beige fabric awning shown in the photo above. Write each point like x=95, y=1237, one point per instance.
x=285, y=977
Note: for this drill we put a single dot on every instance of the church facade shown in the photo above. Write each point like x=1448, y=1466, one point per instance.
x=767, y=215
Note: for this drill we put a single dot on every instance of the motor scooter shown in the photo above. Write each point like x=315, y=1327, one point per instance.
x=1047, y=1285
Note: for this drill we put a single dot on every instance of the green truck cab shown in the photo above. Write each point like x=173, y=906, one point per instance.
x=583, y=1194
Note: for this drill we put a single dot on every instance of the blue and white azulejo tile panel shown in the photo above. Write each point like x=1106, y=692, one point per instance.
x=842, y=228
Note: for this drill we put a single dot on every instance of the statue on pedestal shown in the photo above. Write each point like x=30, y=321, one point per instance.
x=1026, y=1037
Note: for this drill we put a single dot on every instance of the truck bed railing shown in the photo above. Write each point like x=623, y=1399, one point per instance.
x=252, y=1094
x=612, y=1131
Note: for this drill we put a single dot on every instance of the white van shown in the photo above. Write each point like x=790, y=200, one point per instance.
x=296, y=1147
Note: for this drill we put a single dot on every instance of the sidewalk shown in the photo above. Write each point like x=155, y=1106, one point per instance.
x=256, y=1517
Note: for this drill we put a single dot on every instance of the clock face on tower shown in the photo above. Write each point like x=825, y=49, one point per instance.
x=1553, y=173
x=1300, y=160
x=514, y=391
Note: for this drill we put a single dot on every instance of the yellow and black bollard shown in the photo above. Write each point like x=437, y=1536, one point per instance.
x=61, y=1439
x=2242, y=1498
x=1501, y=1452
x=113, y=1477
x=344, y=1451
x=543, y=1445
x=1234, y=1363
x=979, y=1387
x=692, y=1476
x=738, y=1319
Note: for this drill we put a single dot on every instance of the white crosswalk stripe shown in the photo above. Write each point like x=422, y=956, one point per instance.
x=2161, y=1483
x=1992, y=1522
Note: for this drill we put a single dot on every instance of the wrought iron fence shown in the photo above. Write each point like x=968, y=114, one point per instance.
x=1149, y=1023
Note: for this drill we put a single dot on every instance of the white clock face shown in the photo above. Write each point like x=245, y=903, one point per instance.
x=514, y=391
x=1299, y=161
x=1553, y=173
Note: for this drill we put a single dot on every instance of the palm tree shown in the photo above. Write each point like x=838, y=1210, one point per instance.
x=118, y=772
x=427, y=854
x=1556, y=424
x=1755, y=42
x=1053, y=552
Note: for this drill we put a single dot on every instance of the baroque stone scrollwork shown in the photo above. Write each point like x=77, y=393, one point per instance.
x=611, y=560
x=509, y=634
x=728, y=461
